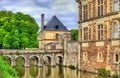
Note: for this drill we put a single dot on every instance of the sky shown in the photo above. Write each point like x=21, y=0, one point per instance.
x=65, y=10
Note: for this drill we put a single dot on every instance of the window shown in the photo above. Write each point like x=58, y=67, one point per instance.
x=57, y=35
x=116, y=6
x=85, y=10
x=56, y=27
x=100, y=32
x=100, y=7
x=53, y=46
x=100, y=57
x=115, y=30
x=85, y=33
x=116, y=57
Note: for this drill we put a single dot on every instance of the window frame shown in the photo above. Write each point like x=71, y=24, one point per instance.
x=100, y=32
x=116, y=60
x=115, y=5
x=100, y=57
x=85, y=29
x=116, y=27
x=100, y=8
x=85, y=12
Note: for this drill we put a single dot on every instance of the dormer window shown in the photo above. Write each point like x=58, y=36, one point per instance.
x=56, y=27
x=45, y=27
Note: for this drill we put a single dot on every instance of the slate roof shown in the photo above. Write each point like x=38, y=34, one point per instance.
x=55, y=24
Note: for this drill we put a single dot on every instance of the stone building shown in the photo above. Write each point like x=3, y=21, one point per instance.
x=72, y=53
x=54, y=36
x=99, y=34
x=49, y=34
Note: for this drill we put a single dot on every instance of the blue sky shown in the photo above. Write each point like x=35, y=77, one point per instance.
x=65, y=10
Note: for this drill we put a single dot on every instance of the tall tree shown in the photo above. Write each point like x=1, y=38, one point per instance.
x=74, y=34
x=18, y=30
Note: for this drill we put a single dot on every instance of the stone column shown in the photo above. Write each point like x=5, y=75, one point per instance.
x=39, y=72
x=13, y=63
x=27, y=74
x=65, y=51
x=27, y=61
x=39, y=63
x=79, y=76
x=108, y=53
x=53, y=73
x=80, y=47
x=78, y=55
x=53, y=63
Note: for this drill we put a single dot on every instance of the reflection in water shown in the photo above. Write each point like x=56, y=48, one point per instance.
x=33, y=70
x=20, y=71
x=53, y=72
x=88, y=75
x=61, y=74
x=48, y=71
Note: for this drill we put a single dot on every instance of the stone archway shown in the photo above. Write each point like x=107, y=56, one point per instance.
x=59, y=59
x=20, y=61
x=7, y=59
x=117, y=55
x=47, y=60
x=34, y=61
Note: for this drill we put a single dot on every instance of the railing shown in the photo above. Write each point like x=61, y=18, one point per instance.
x=15, y=51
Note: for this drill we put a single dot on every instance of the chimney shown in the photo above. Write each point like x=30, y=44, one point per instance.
x=42, y=21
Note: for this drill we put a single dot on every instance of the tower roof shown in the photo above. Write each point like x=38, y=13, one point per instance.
x=55, y=24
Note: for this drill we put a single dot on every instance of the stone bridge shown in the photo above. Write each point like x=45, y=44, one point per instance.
x=49, y=57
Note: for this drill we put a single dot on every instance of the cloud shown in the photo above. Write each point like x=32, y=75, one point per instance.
x=65, y=10
x=43, y=3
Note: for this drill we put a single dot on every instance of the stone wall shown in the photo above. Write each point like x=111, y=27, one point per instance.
x=99, y=42
x=72, y=53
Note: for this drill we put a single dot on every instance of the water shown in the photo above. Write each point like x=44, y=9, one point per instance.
x=52, y=72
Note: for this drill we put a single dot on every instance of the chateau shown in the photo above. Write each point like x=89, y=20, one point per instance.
x=55, y=36
x=50, y=33
x=99, y=34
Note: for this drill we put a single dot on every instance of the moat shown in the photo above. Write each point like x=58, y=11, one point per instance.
x=52, y=72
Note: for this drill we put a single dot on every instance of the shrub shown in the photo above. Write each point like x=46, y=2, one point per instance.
x=17, y=53
x=6, y=70
x=103, y=72
x=115, y=75
x=72, y=67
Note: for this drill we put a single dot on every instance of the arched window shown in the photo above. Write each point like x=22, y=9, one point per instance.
x=116, y=57
x=115, y=30
x=116, y=5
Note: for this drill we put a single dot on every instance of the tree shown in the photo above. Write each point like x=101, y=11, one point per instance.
x=18, y=30
x=74, y=34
